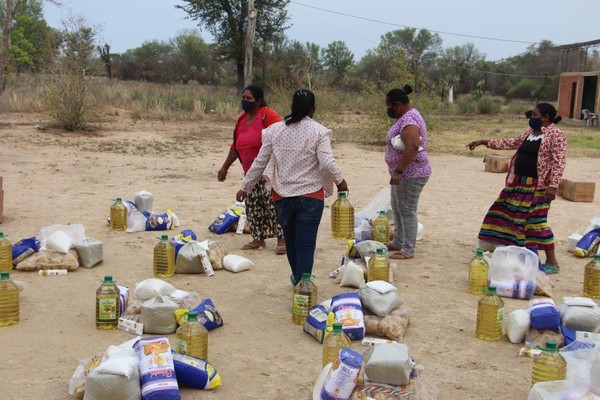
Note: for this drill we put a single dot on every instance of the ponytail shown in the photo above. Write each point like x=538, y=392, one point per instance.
x=303, y=102
x=549, y=110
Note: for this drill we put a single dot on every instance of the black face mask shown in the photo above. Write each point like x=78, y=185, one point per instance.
x=535, y=123
x=391, y=112
x=248, y=106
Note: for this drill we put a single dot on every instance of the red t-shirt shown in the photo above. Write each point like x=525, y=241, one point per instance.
x=247, y=137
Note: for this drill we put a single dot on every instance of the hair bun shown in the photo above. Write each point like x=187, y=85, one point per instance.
x=407, y=89
x=557, y=119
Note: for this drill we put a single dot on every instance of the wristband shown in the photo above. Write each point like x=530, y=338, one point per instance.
x=398, y=171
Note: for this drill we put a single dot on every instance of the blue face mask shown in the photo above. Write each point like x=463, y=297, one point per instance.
x=535, y=123
x=248, y=106
x=391, y=112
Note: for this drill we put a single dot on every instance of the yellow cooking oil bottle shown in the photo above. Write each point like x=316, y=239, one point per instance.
x=381, y=228
x=490, y=314
x=550, y=365
x=303, y=299
x=108, y=306
x=9, y=300
x=192, y=337
x=164, y=258
x=591, y=278
x=379, y=267
x=333, y=343
x=5, y=254
x=118, y=216
x=478, y=273
x=342, y=218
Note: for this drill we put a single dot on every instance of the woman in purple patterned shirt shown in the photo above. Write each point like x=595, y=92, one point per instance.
x=409, y=168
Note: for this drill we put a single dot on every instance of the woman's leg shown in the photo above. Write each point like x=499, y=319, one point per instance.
x=307, y=220
x=396, y=204
x=537, y=230
x=284, y=209
x=260, y=215
x=409, y=193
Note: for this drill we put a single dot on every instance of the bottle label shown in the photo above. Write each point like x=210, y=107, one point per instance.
x=301, y=304
x=499, y=318
x=107, y=308
x=181, y=346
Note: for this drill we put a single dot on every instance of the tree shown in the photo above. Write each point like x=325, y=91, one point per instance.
x=385, y=65
x=104, y=53
x=69, y=96
x=338, y=59
x=193, y=53
x=420, y=49
x=226, y=20
x=461, y=61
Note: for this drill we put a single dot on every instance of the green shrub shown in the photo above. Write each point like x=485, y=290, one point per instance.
x=464, y=106
x=487, y=105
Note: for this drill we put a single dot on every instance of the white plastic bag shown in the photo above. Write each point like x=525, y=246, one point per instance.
x=354, y=276
x=150, y=288
x=59, y=242
x=235, y=263
x=513, y=263
x=381, y=202
x=517, y=325
x=75, y=231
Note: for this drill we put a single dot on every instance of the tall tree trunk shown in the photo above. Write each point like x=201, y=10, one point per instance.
x=240, y=75
x=6, y=58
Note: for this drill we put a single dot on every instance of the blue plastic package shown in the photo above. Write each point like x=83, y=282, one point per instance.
x=543, y=314
x=316, y=322
x=224, y=222
x=208, y=315
x=23, y=245
x=157, y=371
x=195, y=372
x=158, y=221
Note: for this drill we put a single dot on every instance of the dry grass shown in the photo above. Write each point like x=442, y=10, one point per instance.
x=354, y=117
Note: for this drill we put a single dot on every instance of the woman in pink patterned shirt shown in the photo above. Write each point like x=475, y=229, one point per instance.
x=519, y=216
x=301, y=174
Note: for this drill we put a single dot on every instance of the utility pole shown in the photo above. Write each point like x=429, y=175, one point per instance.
x=249, y=43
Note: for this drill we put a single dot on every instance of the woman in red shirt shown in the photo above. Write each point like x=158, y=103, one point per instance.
x=247, y=140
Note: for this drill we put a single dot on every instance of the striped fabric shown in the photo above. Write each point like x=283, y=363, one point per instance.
x=519, y=217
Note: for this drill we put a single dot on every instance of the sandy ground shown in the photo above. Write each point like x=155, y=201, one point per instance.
x=58, y=178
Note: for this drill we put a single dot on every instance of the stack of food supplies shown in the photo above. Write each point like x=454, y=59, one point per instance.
x=386, y=315
x=59, y=247
x=161, y=308
x=353, y=271
x=142, y=368
x=576, y=318
x=233, y=219
x=141, y=217
x=386, y=371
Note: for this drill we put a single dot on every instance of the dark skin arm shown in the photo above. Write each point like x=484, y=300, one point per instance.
x=222, y=174
x=411, y=138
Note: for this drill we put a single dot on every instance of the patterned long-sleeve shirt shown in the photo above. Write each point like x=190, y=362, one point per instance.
x=552, y=156
x=299, y=157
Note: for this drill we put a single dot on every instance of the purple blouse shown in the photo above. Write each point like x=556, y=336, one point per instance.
x=420, y=166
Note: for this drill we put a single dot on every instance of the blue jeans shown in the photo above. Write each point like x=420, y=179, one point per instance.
x=404, y=201
x=299, y=218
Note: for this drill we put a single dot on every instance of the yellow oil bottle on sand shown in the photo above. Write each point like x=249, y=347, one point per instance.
x=5, y=254
x=381, y=228
x=550, y=365
x=478, y=273
x=303, y=298
x=108, y=307
x=192, y=337
x=118, y=216
x=490, y=314
x=379, y=267
x=333, y=343
x=591, y=278
x=164, y=258
x=9, y=300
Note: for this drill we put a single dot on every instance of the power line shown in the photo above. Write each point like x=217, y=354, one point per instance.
x=406, y=26
x=498, y=73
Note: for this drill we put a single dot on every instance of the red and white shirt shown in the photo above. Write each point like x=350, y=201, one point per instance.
x=552, y=156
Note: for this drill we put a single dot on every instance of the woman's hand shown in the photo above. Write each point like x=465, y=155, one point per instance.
x=342, y=186
x=240, y=196
x=222, y=174
x=395, y=179
x=550, y=193
x=476, y=143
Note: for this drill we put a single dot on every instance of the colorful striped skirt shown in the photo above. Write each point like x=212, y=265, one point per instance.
x=519, y=217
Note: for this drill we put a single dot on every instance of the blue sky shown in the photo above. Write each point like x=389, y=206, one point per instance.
x=126, y=24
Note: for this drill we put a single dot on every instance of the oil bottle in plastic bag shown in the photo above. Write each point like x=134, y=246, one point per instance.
x=192, y=337
x=164, y=258
x=118, y=216
x=490, y=314
x=303, y=299
x=5, y=254
x=108, y=306
x=591, y=278
x=333, y=343
x=550, y=365
x=478, y=273
x=342, y=218
x=9, y=300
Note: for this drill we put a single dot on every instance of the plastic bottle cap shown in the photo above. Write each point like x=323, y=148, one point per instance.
x=550, y=346
x=381, y=212
x=380, y=251
x=492, y=290
x=337, y=327
x=118, y=199
x=192, y=316
x=342, y=195
x=479, y=253
x=596, y=256
x=2, y=235
x=164, y=237
x=108, y=279
x=4, y=276
x=306, y=276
